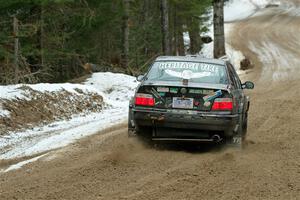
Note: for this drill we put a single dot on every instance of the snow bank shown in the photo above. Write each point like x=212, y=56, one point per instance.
x=291, y=8
x=116, y=90
x=19, y=92
x=240, y=9
x=233, y=55
x=111, y=86
x=15, y=91
x=234, y=10
x=37, y=108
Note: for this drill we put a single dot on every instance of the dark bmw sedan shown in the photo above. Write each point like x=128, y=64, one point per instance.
x=190, y=99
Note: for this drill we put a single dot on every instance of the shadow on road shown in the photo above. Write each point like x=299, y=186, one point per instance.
x=190, y=147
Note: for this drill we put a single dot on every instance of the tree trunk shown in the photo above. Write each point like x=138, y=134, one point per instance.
x=42, y=37
x=219, y=38
x=145, y=25
x=178, y=34
x=125, y=40
x=194, y=33
x=16, y=48
x=165, y=27
x=180, y=43
x=173, y=29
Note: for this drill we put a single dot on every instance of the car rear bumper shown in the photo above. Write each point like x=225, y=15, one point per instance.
x=195, y=124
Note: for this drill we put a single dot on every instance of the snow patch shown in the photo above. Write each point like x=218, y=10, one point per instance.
x=58, y=134
x=236, y=10
x=233, y=55
x=3, y=112
x=21, y=164
x=116, y=90
x=13, y=92
x=291, y=9
x=280, y=62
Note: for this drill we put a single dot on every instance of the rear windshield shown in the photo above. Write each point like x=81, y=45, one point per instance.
x=196, y=72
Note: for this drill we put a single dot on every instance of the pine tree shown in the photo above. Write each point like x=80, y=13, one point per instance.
x=56, y=38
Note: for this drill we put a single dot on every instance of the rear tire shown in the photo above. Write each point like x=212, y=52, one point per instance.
x=144, y=134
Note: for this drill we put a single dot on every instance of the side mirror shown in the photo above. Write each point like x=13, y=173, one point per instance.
x=140, y=78
x=248, y=85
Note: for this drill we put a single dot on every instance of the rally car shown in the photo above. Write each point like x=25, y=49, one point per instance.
x=186, y=98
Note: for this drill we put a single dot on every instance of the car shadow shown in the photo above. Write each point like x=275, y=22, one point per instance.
x=190, y=147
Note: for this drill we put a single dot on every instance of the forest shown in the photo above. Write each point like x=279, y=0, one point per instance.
x=51, y=40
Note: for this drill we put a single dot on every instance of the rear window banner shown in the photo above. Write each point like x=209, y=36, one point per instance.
x=196, y=67
x=187, y=74
x=194, y=72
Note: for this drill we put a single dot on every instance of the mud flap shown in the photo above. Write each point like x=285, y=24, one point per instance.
x=154, y=129
x=131, y=132
x=235, y=142
x=131, y=124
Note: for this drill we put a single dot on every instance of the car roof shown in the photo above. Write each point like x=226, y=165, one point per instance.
x=191, y=59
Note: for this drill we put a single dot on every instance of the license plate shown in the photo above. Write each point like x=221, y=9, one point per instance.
x=186, y=103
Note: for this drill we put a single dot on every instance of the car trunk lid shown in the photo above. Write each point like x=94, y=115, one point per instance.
x=200, y=98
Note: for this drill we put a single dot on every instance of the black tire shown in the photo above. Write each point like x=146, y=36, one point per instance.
x=144, y=131
x=144, y=134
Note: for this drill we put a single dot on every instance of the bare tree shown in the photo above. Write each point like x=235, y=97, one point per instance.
x=165, y=27
x=125, y=39
x=219, y=38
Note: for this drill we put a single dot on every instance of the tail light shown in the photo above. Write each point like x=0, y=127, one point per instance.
x=222, y=104
x=144, y=100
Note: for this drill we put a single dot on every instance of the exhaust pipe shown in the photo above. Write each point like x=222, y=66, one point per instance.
x=216, y=138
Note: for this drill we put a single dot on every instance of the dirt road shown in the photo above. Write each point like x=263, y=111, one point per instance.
x=110, y=166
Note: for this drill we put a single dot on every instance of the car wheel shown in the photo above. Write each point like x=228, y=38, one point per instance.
x=144, y=131
x=144, y=134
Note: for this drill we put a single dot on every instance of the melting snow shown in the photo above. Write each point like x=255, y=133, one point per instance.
x=21, y=164
x=234, y=10
x=240, y=9
x=116, y=89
